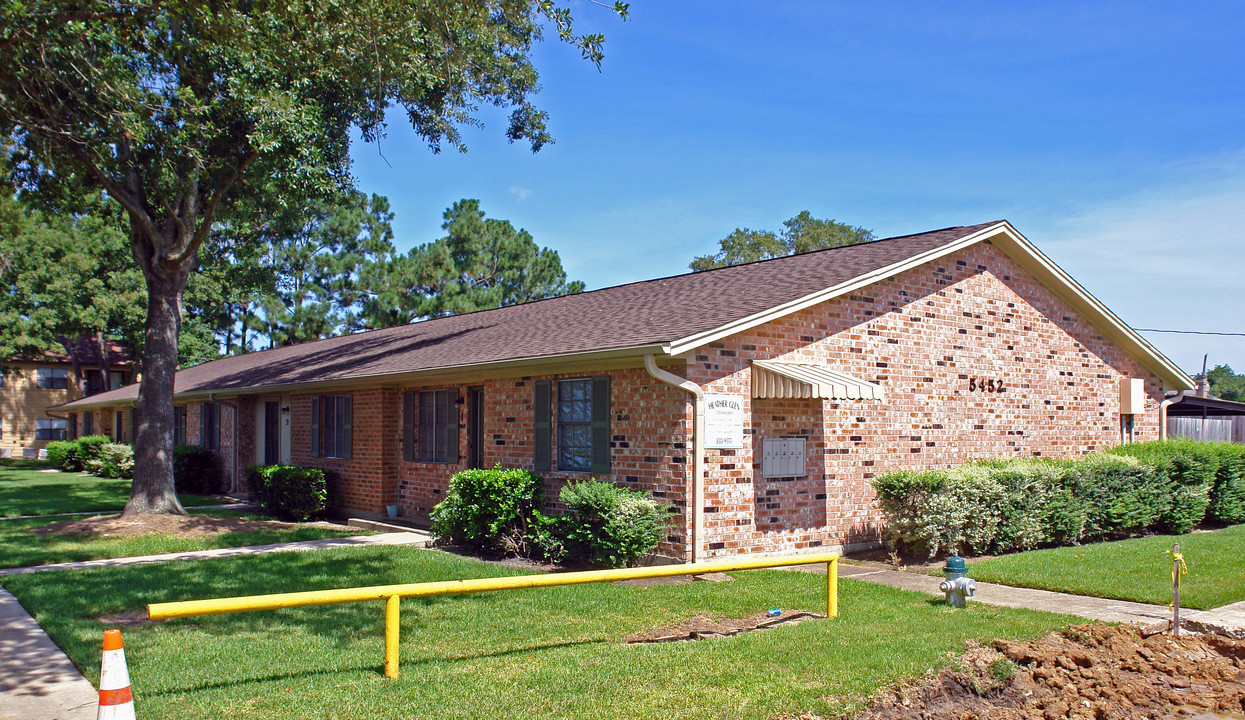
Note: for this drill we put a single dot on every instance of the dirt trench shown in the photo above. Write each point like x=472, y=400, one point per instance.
x=1092, y=671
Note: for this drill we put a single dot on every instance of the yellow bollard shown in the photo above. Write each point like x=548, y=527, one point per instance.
x=391, y=636
x=832, y=588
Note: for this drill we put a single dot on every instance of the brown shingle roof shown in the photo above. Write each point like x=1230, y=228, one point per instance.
x=638, y=314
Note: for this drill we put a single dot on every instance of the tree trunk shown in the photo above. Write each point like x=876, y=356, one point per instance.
x=105, y=372
x=152, y=491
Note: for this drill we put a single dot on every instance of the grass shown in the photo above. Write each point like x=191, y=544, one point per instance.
x=1137, y=569
x=23, y=547
x=26, y=489
x=552, y=652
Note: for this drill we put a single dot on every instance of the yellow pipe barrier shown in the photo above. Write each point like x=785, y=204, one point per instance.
x=392, y=594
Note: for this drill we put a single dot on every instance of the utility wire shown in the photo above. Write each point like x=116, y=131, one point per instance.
x=1190, y=332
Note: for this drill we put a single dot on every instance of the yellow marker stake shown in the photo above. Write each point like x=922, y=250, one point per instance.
x=391, y=636
x=832, y=588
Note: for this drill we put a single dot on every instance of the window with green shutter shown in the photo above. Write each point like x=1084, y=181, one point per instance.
x=437, y=441
x=584, y=425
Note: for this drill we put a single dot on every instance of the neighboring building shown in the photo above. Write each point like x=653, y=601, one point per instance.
x=1204, y=417
x=819, y=370
x=29, y=386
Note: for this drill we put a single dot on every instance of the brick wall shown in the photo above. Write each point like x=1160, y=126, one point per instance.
x=921, y=335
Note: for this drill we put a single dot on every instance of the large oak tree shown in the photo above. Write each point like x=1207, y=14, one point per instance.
x=179, y=109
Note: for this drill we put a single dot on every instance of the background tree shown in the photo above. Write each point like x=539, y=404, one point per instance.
x=177, y=110
x=802, y=233
x=481, y=263
x=1226, y=384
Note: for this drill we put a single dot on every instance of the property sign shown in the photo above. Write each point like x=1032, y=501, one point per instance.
x=724, y=421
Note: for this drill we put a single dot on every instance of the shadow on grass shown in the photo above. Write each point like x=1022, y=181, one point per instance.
x=406, y=665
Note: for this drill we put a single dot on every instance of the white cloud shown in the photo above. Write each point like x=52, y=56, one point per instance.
x=1169, y=257
x=520, y=192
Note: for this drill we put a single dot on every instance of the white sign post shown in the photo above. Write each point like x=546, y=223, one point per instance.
x=724, y=421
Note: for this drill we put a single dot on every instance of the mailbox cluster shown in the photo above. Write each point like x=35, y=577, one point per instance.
x=782, y=457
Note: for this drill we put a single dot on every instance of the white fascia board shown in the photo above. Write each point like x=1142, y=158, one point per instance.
x=1015, y=246
x=691, y=342
x=1028, y=256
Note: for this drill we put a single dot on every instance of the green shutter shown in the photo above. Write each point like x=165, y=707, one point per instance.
x=315, y=427
x=541, y=435
x=408, y=425
x=451, y=427
x=601, y=425
x=346, y=412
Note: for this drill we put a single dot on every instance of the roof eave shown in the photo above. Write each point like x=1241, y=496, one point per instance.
x=1015, y=246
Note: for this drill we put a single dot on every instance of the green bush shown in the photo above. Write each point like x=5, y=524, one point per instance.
x=1123, y=495
x=113, y=460
x=609, y=526
x=288, y=492
x=197, y=470
x=89, y=448
x=493, y=511
x=1227, y=495
x=64, y=455
x=1189, y=467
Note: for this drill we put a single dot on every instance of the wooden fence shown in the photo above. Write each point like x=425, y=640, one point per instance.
x=1223, y=429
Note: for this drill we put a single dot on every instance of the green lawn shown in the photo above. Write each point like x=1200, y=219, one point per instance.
x=26, y=490
x=1136, y=569
x=551, y=652
x=23, y=547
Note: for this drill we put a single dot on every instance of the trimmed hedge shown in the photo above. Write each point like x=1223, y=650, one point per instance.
x=288, y=492
x=197, y=471
x=64, y=455
x=111, y=460
x=1002, y=505
x=89, y=448
x=609, y=526
x=492, y=511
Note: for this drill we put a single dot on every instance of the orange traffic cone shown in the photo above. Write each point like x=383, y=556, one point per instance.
x=115, y=700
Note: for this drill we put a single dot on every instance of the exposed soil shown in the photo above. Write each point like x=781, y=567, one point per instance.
x=183, y=526
x=699, y=626
x=1088, y=671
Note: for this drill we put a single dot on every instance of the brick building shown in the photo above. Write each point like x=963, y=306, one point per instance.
x=758, y=399
x=31, y=385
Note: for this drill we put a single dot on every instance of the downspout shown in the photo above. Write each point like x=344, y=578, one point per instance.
x=698, y=450
x=233, y=469
x=1163, y=417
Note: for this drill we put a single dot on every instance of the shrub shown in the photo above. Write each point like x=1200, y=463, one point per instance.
x=89, y=448
x=1227, y=494
x=64, y=455
x=609, y=526
x=1189, y=467
x=288, y=492
x=493, y=511
x=1123, y=495
x=113, y=460
x=197, y=470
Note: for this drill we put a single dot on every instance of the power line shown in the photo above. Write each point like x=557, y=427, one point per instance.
x=1190, y=332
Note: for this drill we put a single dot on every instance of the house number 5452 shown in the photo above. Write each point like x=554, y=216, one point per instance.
x=984, y=385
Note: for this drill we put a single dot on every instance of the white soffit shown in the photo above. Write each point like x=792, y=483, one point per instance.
x=771, y=379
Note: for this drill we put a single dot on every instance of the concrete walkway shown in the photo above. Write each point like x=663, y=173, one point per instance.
x=417, y=538
x=38, y=681
x=1231, y=617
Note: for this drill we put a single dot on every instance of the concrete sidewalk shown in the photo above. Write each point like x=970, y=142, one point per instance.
x=414, y=537
x=1231, y=617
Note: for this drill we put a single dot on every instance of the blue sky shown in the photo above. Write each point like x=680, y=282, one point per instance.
x=1109, y=133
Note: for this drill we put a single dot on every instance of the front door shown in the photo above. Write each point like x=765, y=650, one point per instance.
x=272, y=432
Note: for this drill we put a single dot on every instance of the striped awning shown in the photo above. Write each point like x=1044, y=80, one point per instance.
x=772, y=379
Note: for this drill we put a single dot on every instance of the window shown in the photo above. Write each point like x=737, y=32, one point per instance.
x=51, y=429
x=179, y=425
x=52, y=378
x=88, y=423
x=331, y=426
x=118, y=420
x=436, y=423
x=583, y=425
x=116, y=379
x=73, y=426
x=209, y=426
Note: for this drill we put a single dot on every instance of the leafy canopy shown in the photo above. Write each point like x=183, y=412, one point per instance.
x=802, y=233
